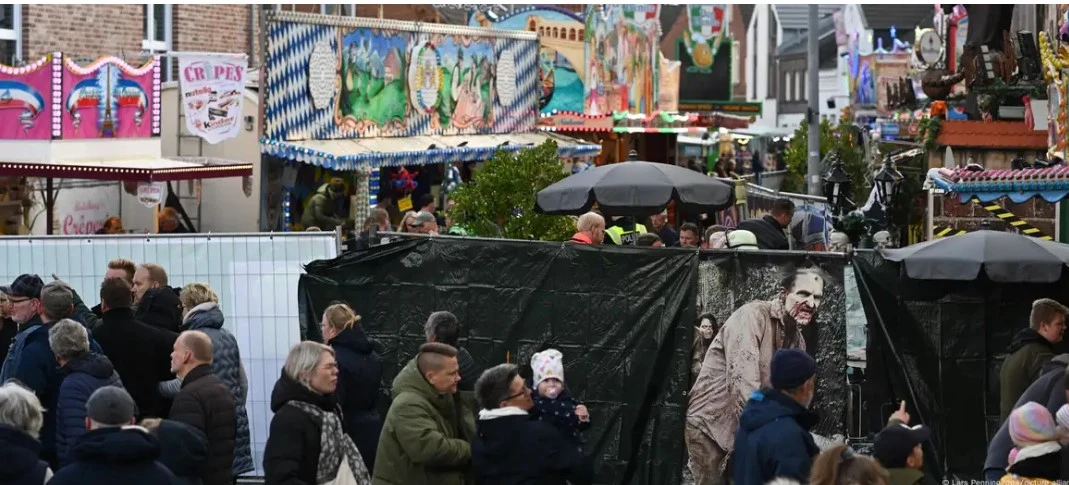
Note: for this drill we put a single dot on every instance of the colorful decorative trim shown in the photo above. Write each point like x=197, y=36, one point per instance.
x=57, y=95
x=373, y=187
x=416, y=27
x=126, y=68
x=1050, y=184
x=625, y=129
x=156, y=112
x=437, y=156
x=90, y=172
x=19, y=71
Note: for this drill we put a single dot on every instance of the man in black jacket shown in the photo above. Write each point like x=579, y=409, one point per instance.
x=545, y=456
x=205, y=403
x=113, y=452
x=138, y=351
x=769, y=229
x=157, y=303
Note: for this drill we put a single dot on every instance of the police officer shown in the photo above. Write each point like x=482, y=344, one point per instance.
x=624, y=231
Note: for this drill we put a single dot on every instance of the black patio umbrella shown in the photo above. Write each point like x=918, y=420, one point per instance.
x=637, y=189
x=1004, y=257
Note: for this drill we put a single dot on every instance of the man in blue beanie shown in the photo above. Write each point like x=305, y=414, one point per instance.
x=773, y=439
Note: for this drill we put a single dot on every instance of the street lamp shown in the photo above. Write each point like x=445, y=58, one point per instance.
x=836, y=184
x=887, y=181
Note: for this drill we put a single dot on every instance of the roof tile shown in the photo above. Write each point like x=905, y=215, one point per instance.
x=991, y=134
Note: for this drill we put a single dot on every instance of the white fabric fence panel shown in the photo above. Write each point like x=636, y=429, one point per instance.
x=255, y=275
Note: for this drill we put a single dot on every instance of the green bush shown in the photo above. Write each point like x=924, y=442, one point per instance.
x=499, y=200
x=840, y=137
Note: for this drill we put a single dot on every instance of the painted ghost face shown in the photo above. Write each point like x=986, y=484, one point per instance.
x=706, y=328
x=803, y=300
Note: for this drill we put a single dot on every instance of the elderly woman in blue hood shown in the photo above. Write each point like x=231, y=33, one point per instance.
x=200, y=307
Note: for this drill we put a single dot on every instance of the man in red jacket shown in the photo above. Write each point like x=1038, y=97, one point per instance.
x=591, y=227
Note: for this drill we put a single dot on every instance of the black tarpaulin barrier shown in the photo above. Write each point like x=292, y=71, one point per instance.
x=947, y=343
x=729, y=280
x=622, y=317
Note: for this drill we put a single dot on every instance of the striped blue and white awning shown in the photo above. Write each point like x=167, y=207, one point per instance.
x=352, y=154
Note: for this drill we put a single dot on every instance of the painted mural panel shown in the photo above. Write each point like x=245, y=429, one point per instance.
x=373, y=87
x=108, y=99
x=862, y=78
x=328, y=81
x=561, y=56
x=621, y=45
x=452, y=82
x=26, y=101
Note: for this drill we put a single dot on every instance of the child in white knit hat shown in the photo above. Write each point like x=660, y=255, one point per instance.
x=552, y=401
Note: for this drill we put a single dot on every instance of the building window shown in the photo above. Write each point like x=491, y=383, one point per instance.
x=343, y=9
x=800, y=85
x=10, y=34
x=789, y=87
x=157, y=35
x=736, y=62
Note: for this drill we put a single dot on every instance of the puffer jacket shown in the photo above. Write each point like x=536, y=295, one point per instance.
x=426, y=436
x=359, y=377
x=113, y=456
x=19, y=464
x=226, y=365
x=206, y=404
x=81, y=377
x=773, y=440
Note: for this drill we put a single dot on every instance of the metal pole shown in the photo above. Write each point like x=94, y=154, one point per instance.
x=813, y=113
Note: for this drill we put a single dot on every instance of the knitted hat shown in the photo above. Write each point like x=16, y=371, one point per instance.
x=791, y=368
x=1062, y=416
x=111, y=406
x=1031, y=424
x=547, y=364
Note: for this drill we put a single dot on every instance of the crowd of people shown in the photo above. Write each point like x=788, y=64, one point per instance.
x=138, y=390
x=766, y=232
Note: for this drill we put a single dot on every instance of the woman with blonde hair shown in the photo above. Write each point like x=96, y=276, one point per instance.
x=359, y=378
x=405, y=221
x=200, y=311
x=306, y=442
x=839, y=465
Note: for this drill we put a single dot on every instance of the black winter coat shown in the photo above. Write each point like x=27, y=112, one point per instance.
x=81, y=377
x=768, y=232
x=205, y=403
x=18, y=461
x=183, y=450
x=291, y=456
x=140, y=354
x=160, y=308
x=359, y=381
x=112, y=456
x=515, y=450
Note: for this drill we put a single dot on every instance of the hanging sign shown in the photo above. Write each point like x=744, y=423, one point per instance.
x=212, y=92
x=705, y=30
x=150, y=195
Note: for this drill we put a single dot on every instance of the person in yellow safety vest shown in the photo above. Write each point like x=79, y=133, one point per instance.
x=624, y=231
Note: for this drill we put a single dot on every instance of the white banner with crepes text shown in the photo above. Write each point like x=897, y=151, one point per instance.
x=212, y=90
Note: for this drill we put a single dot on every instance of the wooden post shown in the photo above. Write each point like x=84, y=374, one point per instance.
x=156, y=218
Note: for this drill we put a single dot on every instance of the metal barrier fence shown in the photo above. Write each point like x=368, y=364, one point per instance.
x=255, y=276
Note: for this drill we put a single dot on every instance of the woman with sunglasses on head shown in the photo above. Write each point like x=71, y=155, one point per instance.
x=839, y=465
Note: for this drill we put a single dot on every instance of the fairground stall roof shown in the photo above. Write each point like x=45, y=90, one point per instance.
x=101, y=122
x=999, y=135
x=656, y=122
x=1051, y=184
x=346, y=93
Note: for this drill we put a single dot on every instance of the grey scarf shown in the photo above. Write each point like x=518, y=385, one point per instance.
x=334, y=444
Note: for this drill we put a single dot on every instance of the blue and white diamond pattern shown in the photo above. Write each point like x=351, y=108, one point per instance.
x=288, y=110
x=519, y=115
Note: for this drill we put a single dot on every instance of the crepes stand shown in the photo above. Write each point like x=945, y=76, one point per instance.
x=59, y=120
